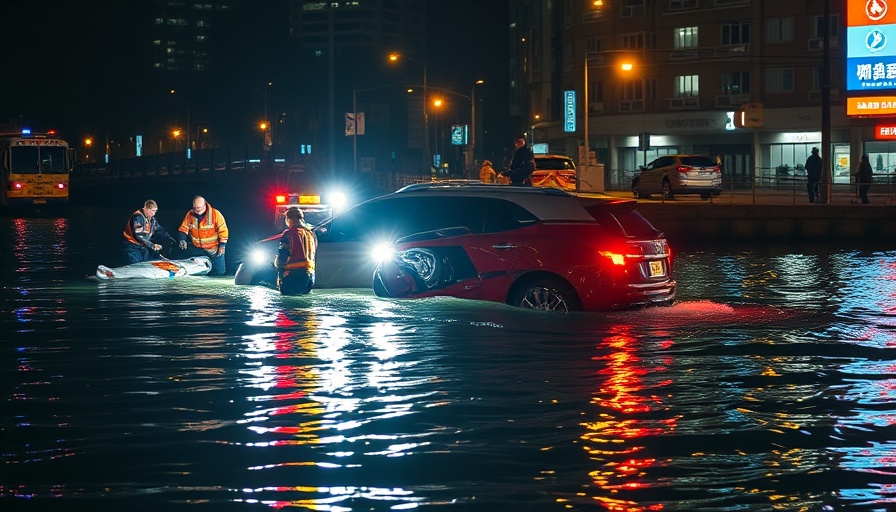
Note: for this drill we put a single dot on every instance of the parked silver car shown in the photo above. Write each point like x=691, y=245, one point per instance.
x=678, y=174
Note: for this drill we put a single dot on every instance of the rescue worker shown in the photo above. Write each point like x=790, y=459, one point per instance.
x=295, y=259
x=206, y=229
x=141, y=233
x=487, y=172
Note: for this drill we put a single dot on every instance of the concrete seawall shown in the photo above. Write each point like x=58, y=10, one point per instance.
x=691, y=223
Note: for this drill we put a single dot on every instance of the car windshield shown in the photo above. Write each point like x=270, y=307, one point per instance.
x=698, y=161
x=622, y=219
x=553, y=164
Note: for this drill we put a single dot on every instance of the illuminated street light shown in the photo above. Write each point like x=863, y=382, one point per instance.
x=189, y=148
x=394, y=57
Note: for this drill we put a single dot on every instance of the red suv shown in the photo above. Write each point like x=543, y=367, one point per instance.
x=533, y=248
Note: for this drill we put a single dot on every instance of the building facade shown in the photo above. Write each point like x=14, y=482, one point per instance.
x=676, y=73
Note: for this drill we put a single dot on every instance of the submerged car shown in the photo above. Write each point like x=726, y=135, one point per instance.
x=678, y=174
x=537, y=248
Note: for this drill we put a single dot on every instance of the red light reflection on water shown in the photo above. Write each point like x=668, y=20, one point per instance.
x=627, y=410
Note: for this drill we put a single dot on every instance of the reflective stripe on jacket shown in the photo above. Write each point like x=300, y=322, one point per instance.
x=205, y=232
x=143, y=237
x=302, y=248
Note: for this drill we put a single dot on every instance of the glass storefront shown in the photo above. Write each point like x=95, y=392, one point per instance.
x=789, y=160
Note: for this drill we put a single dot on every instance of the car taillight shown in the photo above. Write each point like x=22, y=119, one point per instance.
x=684, y=168
x=16, y=185
x=616, y=257
x=60, y=186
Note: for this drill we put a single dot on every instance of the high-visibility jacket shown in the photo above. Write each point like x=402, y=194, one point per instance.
x=301, y=243
x=146, y=229
x=206, y=232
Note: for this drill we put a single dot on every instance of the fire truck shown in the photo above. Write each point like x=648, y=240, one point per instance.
x=35, y=169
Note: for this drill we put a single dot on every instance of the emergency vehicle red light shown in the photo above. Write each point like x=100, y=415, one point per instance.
x=280, y=199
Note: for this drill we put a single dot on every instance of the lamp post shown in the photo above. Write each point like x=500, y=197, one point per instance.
x=472, y=157
x=426, y=156
x=189, y=145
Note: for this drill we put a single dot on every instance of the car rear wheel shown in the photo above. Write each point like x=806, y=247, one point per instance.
x=546, y=294
x=667, y=189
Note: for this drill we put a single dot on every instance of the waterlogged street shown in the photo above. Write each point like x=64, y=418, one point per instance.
x=770, y=385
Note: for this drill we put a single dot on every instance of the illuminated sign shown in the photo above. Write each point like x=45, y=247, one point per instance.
x=569, y=111
x=871, y=106
x=885, y=132
x=458, y=134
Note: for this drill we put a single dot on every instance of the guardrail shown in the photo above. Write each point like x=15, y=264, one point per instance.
x=770, y=184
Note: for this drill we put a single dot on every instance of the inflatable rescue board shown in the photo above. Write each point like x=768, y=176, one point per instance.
x=158, y=269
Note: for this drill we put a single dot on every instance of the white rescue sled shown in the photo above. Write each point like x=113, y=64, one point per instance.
x=158, y=269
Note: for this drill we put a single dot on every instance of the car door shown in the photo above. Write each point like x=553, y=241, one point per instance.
x=347, y=244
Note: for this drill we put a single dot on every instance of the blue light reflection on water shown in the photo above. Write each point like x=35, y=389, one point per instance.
x=770, y=386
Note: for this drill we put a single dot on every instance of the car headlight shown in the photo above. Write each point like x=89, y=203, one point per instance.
x=259, y=256
x=382, y=252
x=337, y=201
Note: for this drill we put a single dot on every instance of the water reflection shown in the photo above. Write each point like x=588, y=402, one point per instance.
x=326, y=386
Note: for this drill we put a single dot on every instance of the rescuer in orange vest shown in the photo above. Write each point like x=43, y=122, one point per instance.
x=295, y=259
x=141, y=232
x=206, y=229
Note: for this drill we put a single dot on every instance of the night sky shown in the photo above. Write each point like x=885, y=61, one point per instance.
x=77, y=67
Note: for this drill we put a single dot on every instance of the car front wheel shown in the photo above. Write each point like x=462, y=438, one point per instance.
x=546, y=294
x=636, y=189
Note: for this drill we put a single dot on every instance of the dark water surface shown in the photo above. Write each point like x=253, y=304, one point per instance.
x=771, y=385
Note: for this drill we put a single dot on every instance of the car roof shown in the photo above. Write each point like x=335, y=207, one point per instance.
x=548, y=204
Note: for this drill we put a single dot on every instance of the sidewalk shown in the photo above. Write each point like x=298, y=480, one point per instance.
x=770, y=217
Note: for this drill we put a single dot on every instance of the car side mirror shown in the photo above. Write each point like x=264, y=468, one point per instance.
x=641, y=167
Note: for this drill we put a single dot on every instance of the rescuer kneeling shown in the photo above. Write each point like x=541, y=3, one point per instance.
x=206, y=229
x=295, y=259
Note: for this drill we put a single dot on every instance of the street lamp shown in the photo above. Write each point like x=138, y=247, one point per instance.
x=473, y=124
x=189, y=145
x=393, y=57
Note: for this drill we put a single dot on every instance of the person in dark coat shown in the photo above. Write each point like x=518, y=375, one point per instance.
x=522, y=165
x=863, y=178
x=813, y=173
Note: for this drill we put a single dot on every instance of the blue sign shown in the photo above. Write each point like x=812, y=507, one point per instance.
x=569, y=111
x=871, y=58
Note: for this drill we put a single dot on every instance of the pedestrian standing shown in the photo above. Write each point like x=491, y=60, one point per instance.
x=522, y=165
x=863, y=178
x=813, y=174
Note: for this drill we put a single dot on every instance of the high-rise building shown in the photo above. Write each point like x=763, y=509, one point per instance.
x=182, y=33
x=670, y=77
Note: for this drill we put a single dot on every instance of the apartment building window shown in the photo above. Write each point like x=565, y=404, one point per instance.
x=779, y=80
x=632, y=90
x=685, y=37
x=633, y=41
x=687, y=85
x=736, y=33
x=736, y=82
x=817, y=27
x=595, y=92
x=631, y=8
x=594, y=44
x=678, y=5
x=779, y=30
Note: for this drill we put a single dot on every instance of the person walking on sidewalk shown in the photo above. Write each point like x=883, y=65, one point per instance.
x=813, y=173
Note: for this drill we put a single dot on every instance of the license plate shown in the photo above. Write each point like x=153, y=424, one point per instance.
x=44, y=201
x=656, y=269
